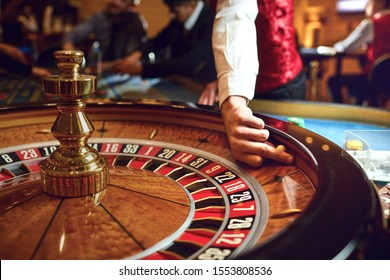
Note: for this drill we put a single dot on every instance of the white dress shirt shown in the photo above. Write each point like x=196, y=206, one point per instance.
x=190, y=22
x=359, y=37
x=235, y=48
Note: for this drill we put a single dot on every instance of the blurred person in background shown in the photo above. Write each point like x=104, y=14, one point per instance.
x=20, y=23
x=59, y=16
x=182, y=48
x=372, y=34
x=119, y=29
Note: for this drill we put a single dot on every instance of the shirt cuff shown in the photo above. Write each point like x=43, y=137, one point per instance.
x=240, y=85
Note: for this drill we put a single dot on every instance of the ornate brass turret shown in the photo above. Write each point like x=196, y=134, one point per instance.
x=75, y=168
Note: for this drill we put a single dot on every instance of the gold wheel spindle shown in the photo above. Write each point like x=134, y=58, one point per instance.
x=75, y=168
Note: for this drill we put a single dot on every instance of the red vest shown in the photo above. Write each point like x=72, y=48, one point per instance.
x=279, y=58
x=381, y=42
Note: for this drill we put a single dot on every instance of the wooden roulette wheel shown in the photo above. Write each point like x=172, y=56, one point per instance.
x=175, y=191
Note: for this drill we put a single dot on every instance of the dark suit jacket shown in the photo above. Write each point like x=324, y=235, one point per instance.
x=117, y=40
x=182, y=53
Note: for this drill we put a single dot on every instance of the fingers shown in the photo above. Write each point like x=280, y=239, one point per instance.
x=247, y=134
x=39, y=72
x=276, y=154
x=209, y=95
x=251, y=134
x=255, y=154
x=247, y=128
x=106, y=66
x=250, y=159
x=125, y=67
x=243, y=117
x=205, y=99
x=119, y=67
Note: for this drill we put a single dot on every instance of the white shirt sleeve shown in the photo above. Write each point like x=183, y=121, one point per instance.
x=235, y=48
x=359, y=37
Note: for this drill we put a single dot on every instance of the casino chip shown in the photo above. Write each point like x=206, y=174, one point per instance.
x=298, y=121
x=355, y=145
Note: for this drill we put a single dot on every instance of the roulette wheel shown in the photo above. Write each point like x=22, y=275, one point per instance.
x=165, y=185
x=175, y=192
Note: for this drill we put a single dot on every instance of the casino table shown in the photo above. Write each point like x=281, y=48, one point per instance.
x=176, y=192
x=336, y=122
x=19, y=90
x=326, y=119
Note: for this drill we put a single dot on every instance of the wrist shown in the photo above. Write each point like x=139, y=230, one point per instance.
x=233, y=102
